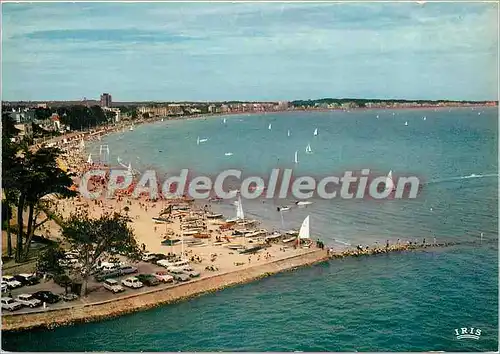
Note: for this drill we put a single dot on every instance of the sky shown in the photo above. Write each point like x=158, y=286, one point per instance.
x=249, y=51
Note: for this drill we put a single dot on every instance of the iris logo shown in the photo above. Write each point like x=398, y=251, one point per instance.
x=468, y=333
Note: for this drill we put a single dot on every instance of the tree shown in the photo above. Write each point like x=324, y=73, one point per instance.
x=99, y=238
x=38, y=175
x=49, y=260
x=10, y=174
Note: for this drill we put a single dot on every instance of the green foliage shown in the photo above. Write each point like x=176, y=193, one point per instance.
x=96, y=239
x=48, y=260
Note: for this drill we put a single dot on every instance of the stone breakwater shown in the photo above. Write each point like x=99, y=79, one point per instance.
x=141, y=301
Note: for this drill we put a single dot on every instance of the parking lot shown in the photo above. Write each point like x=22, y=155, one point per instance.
x=97, y=292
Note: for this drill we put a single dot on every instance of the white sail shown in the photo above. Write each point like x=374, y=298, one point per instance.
x=406, y=123
x=389, y=183
x=202, y=140
x=308, y=148
x=198, y=141
x=131, y=127
x=315, y=131
x=89, y=160
x=296, y=157
x=425, y=118
x=288, y=133
x=239, y=210
x=304, y=229
x=224, y=120
x=270, y=126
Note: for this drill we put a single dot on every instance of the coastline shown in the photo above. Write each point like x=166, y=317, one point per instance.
x=101, y=131
x=153, y=298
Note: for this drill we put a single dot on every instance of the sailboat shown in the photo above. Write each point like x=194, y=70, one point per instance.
x=239, y=211
x=377, y=116
x=425, y=118
x=288, y=133
x=89, y=160
x=304, y=230
x=131, y=127
x=224, y=121
x=198, y=140
x=315, y=131
x=406, y=123
x=296, y=157
x=389, y=183
x=162, y=119
x=308, y=149
x=270, y=126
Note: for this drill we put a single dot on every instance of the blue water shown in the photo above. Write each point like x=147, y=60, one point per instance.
x=398, y=302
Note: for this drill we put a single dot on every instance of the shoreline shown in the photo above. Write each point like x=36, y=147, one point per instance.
x=132, y=303
x=101, y=131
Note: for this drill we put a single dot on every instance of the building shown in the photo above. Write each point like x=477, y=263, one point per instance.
x=116, y=111
x=106, y=100
x=22, y=115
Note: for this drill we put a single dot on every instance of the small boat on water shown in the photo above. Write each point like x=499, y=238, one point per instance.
x=228, y=154
x=270, y=126
x=406, y=123
x=292, y=232
x=303, y=203
x=283, y=208
x=214, y=216
x=296, y=159
x=315, y=131
x=308, y=149
x=288, y=133
x=290, y=239
x=131, y=128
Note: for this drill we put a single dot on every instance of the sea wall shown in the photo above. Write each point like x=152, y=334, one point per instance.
x=153, y=298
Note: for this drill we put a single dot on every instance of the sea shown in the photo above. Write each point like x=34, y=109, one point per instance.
x=408, y=301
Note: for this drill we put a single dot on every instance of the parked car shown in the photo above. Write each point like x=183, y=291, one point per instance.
x=46, y=296
x=132, y=282
x=181, y=277
x=11, y=282
x=10, y=304
x=112, y=285
x=164, y=263
x=69, y=297
x=27, y=279
x=148, y=279
x=164, y=277
x=192, y=273
x=126, y=269
x=107, y=274
x=28, y=300
x=148, y=257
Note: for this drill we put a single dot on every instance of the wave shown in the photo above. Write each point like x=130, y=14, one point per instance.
x=342, y=242
x=459, y=178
